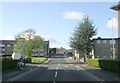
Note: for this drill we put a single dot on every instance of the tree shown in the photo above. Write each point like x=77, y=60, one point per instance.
x=53, y=51
x=24, y=39
x=30, y=40
x=37, y=43
x=81, y=39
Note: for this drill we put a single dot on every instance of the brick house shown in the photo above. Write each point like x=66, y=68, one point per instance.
x=6, y=47
x=103, y=47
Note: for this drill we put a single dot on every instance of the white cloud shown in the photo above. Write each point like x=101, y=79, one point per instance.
x=113, y=22
x=73, y=15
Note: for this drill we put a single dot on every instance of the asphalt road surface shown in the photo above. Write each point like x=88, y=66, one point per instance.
x=58, y=69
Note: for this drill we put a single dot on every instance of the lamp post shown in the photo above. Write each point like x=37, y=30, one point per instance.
x=113, y=47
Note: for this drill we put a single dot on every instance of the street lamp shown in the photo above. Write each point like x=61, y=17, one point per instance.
x=113, y=47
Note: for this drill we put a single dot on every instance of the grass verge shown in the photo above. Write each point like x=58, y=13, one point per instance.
x=38, y=60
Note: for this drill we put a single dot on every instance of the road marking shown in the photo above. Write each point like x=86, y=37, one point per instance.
x=79, y=68
x=82, y=69
x=55, y=74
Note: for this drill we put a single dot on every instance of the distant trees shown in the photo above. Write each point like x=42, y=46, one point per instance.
x=28, y=40
x=81, y=40
x=52, y=51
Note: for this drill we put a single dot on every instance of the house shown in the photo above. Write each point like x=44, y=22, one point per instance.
x=103, y=47
x=6, y=47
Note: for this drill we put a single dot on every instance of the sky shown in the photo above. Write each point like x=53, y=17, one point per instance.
x=56, y=21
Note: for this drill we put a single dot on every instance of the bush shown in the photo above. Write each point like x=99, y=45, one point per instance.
x=27, y=60
x=110, y=64
x=6, y=57
x=8, y=64
x=93, y=62
x=107, y=64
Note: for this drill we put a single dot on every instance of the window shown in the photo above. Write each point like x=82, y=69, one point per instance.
x=1, y=53
x=8, y=45
x=112, y=42
x=112, y=49
x=104, y=41
x=2, y=45
x=3, y=49
x=98, y=41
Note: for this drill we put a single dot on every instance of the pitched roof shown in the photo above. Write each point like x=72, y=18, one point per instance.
x=116, y=7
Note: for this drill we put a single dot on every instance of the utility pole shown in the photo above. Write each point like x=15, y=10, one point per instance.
x=113, y=41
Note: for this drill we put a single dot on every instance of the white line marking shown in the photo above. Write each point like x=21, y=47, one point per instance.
x=55, y=74
x=81, y=68
x=54, y=82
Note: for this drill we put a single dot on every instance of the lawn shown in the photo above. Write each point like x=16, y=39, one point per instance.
x=38, y=60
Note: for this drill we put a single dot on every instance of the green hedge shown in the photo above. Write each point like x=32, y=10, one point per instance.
x=9, y=64
x=93, y=62
x=110, y=64
x=107, y=64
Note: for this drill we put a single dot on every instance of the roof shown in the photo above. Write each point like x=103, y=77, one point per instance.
x=99, y=38
x=116, y=7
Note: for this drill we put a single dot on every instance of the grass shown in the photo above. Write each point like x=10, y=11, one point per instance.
x=38, y=60
x=93, y=62
x=82, y=59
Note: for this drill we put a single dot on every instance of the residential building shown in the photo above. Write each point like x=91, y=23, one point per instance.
x=46, y=51
x=103, y=47
x=61, y=50
x=6, y=47
x=117, y=8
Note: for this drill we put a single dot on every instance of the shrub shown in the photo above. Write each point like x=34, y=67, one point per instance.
x=110, y=64
x=27, y=60
x=6, y=57
x=93, y=62
x=8, y=64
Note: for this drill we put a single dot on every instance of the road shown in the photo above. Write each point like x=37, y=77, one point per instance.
x=58, y=69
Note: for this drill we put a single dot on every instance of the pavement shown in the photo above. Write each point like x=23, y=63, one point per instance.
x=6, y=75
